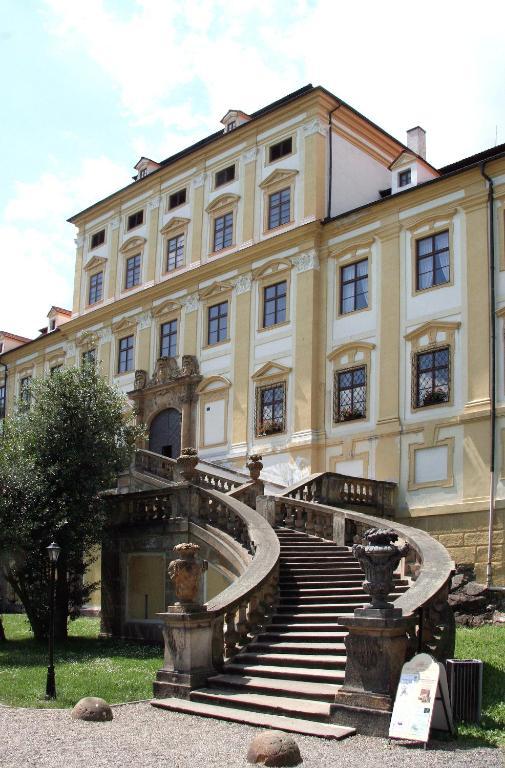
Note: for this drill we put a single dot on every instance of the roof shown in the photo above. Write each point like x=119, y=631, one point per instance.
x=480, y=157
x=14, y=336
x=61, y=311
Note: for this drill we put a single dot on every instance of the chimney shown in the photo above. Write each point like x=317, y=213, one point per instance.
x=416, y=141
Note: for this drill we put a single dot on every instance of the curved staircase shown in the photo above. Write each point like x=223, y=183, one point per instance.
x=287, y=676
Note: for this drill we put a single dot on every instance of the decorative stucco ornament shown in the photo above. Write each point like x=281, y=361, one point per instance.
x=185, y=573
x=379, y=558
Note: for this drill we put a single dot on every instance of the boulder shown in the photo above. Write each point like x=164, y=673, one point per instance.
x=92, y=709
x=274, y=748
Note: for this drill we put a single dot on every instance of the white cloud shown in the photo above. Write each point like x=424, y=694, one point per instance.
x=38, y=251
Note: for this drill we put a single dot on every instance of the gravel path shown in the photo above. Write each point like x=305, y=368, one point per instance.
x=143, y=736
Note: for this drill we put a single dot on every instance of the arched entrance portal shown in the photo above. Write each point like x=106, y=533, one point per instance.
x=165, y=433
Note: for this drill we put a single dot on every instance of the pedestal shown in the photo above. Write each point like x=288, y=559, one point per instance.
x=376, y=651
x=189, y=653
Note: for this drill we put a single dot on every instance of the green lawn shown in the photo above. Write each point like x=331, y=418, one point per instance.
x=119, y=671
x=85, y=666
x=488, y=644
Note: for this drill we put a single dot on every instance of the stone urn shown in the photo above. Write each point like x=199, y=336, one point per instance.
x=185, y=573
x=187, y=462
x=255, y=466
x=379, y=558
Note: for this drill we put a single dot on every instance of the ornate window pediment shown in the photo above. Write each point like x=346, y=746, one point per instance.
x=126, y=325
x=133, y=244
x=278, y=176
x=222, y=202
x=175, y=224
x=94, y=263
x=213, y=384
x=353, y=351
x=432, y=332
x=270, y=370
x=87, y=340
x=271, y=268
x=215, y=289
x=166, y=307
x=352, y=250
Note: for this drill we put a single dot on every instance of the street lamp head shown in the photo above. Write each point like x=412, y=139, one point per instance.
x=53, y=551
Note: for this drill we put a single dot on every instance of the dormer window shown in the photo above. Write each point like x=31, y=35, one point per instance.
x=52, y=324
x=143, y=172
x=231, y=125
x=405, y=178
x=233, y=119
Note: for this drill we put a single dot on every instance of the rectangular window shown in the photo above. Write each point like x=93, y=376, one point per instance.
x=89, y=357
x=135, y=220
x=279, y=208
x=2, y=401
x=432, y=261
x=132, y=271
x=175, y=253
x=223, y=232
x=176, y=199
x=271, y=409
x=404, y=178
x=274, y=304
x=97, y=238
x=24, y=391
x=54, y=369
x=431, y=377
x=125, y=359
x=224, y=176
x=95, y=288
x=281, y=149
x=354, y=287
x=217, y=323
x=168, y=339
x=350, y=394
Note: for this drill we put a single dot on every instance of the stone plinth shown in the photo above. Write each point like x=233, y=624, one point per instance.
x=376, y=651
x=188, y=659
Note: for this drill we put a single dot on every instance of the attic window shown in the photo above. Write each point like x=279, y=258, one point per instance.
x=177, y=198
x=231, y=125
x=281, y=149
x=404, y=178
x=143, y=172
x=98, y=238
x=135, y=219
x=225, y=175
x=52, y=324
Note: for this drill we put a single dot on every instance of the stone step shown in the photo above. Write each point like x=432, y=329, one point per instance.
x=322, y=580
x=282, y=646
x=314, y=638
x=318, y=567
x=326, y=608
x=329, y=557
x=296, y=688
x=261, y=719
x=280, y=705
x=284, y=672
x=320, y=589
x=335, y=598
x=321, y=625
x=310, y=618
x=312, y=549
x=304, y=660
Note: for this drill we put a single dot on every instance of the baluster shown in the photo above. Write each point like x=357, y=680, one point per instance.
x=254, y=614
x=231, y=636
x=318, y=524
x=242, y=625
x=327, y=526
x=290, y=519
x=299, y=523
x=309, y=526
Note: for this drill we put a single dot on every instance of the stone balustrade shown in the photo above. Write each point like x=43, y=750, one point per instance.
x=338, y=490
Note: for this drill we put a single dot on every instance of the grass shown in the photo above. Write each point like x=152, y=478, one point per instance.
x=119, y=671
x=488, y=644
x=85, y=666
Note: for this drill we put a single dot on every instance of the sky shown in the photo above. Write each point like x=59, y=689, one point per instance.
x=89, y=86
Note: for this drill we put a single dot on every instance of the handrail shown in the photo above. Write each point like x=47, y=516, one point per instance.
x=264, y=562
x=167, y=468
x=436, y=564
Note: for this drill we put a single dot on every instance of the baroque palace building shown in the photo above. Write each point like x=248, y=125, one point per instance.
x=304, y=286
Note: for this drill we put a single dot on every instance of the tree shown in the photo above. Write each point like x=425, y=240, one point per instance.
x=57, y=458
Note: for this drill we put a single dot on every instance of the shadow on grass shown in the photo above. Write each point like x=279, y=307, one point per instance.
x=28, y=652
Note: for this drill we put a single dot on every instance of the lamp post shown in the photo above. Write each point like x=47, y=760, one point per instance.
x=53, y=551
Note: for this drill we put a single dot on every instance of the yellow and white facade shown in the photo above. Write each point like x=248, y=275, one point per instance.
x=275, y=220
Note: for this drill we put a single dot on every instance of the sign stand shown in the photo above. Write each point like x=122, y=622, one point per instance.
x=422, y=701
